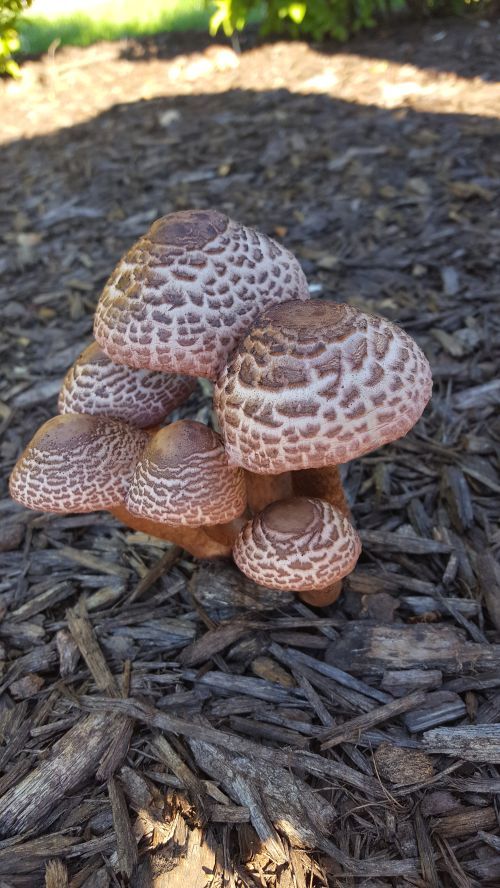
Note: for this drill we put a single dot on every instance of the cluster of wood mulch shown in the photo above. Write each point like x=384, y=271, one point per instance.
x=164, y=722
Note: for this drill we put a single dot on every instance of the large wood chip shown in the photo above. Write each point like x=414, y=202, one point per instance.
x=74, y=758
x=367, y=649
x=474, y=743
x=350, y=730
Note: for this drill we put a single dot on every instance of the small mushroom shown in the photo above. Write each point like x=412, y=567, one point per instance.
x=302, y=545
x=189, y=289
x=77, y=463
x=183, y=478
x=97, y=386
x=317, y=384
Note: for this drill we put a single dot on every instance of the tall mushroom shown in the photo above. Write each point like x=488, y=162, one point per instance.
x=183, y=296
x=314, y=385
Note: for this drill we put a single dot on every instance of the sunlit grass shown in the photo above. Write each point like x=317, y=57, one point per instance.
x=82, y=22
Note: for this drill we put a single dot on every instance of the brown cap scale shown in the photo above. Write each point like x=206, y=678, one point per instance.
x=183, y=478
x=95, y=385
x=315, y=384
x=189, y=289
x=299, y=545
x=77, y=463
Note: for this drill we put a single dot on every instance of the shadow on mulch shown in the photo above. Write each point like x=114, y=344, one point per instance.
x=134, y=724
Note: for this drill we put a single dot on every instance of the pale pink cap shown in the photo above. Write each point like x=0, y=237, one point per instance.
x=95, y=385
x=77, y=463
x=299, y=545
x=316, y=384
x=183, y=478
x=189, y=289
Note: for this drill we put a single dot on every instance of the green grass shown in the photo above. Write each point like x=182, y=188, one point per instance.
x=82, y=22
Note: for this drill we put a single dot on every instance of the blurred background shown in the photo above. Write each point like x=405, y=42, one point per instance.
x=82, y=23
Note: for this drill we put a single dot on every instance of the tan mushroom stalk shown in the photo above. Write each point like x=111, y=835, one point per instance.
x=97, y=386
x=303, y=545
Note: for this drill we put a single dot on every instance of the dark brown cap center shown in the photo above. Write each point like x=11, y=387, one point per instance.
x=181, y=440
x=289, y=516
x=191, y=229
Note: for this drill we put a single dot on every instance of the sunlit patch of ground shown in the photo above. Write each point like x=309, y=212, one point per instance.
x=74, y=85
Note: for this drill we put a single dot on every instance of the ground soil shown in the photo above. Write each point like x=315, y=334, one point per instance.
x=162, y=721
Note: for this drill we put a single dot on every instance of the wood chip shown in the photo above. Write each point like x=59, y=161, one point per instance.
x=74, y=758
x=371, y=649
x=125, y=840
x=402, y=766
x=474, y=743
x=349, y=731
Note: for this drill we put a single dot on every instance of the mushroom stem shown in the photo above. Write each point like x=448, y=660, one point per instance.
x=262, y=490
x=196, y=540
x=321, y=597
x=226, y=533
x=325, y=484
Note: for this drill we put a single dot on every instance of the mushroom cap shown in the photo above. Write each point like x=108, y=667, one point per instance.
x=77, y=463
x=95, y=385
x=183, y=478
x=299, y=544
x=316, y=384
x=189, y=289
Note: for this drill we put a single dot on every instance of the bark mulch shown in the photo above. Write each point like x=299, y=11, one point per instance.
x=165, y=722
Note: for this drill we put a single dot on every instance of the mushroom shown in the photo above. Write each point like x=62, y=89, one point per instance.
x=82, y=463
x=183, y=478
x=95, y=385
x=301, y=544
x=188, y=290
x=299, y=389
x=77, y=463
x=316, y=384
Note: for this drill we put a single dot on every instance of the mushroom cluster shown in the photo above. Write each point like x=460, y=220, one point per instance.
x=300, y=387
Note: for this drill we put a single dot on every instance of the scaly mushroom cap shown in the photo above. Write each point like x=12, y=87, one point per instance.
x=189, y=289
x=316, y=384
x=183, y=478
x=299, y=545
x=95, y=385
x=77, y=463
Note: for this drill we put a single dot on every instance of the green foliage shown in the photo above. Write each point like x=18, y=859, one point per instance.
x=81, y=23
x=10, y=10
x=322, y=19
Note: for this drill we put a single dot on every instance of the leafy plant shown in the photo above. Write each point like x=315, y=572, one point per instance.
x=10, y=10
x=320, y=19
